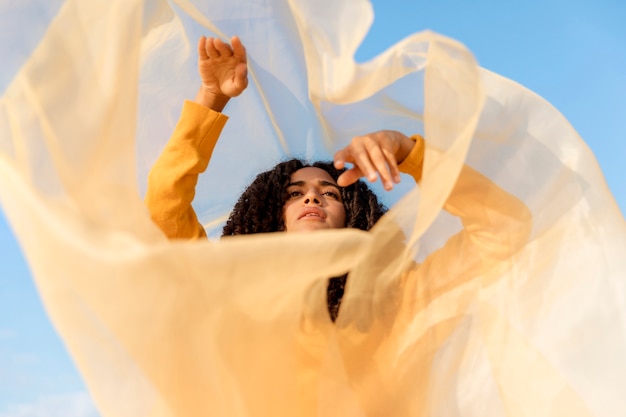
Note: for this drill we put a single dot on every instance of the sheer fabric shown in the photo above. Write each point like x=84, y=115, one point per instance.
x=238, y=327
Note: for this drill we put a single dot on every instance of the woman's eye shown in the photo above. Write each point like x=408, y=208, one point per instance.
x=332, y=194
x=293, y=194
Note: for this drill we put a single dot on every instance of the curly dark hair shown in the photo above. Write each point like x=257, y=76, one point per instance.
x=260, y=210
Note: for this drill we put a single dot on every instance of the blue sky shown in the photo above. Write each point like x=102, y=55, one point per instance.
x=573, y=53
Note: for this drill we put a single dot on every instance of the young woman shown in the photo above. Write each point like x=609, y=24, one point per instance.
x=272, y=201
x=297, y=197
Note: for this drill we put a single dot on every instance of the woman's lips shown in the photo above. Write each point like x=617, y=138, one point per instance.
x=312, y=213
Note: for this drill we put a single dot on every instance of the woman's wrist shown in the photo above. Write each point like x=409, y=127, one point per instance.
x=215, y=102
x=406, y=146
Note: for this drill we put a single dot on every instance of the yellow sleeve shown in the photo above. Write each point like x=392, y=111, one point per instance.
x=414, y=162
x=172, y=179
x=496, y=224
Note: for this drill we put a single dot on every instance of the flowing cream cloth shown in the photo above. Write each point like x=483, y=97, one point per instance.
x=238, y=327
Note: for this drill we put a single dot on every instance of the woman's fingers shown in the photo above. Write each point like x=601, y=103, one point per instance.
x=223, y=70
x=361, y=158
x=222, y=48
x=349, y=177
x=356, y=154
x=241, y=78
x=211, y=51
x=368, y=160
x=239, y=51
x=392, y=165
x=383, y=163
x=202, y=48
x=215, y=48
x=373, y=155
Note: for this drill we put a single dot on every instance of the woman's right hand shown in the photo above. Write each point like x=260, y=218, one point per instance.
x=223, y=69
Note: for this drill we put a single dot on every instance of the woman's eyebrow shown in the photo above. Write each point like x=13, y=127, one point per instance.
x=320, y=182
x=328, y=183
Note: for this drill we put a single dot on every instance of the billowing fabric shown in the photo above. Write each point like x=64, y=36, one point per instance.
x=233, y=327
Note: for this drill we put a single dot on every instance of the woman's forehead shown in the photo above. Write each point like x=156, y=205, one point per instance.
x=311, y=174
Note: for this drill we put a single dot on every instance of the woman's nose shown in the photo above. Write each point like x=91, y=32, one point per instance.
x=311, y=198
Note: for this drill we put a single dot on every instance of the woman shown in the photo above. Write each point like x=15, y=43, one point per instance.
x=295, y=197
x=224, y=75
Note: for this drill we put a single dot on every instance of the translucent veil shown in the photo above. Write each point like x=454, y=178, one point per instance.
x=238, y=327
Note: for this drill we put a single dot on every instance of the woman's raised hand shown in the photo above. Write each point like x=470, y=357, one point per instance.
x=374, y=155
x=223, y=69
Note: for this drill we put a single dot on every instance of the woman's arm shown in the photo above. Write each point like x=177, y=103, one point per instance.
x=496, y=224
x=173, y=178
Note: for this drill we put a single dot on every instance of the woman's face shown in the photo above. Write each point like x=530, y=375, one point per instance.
x=313, y=202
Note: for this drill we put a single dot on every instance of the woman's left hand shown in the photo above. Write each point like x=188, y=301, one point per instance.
x=374, y=155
